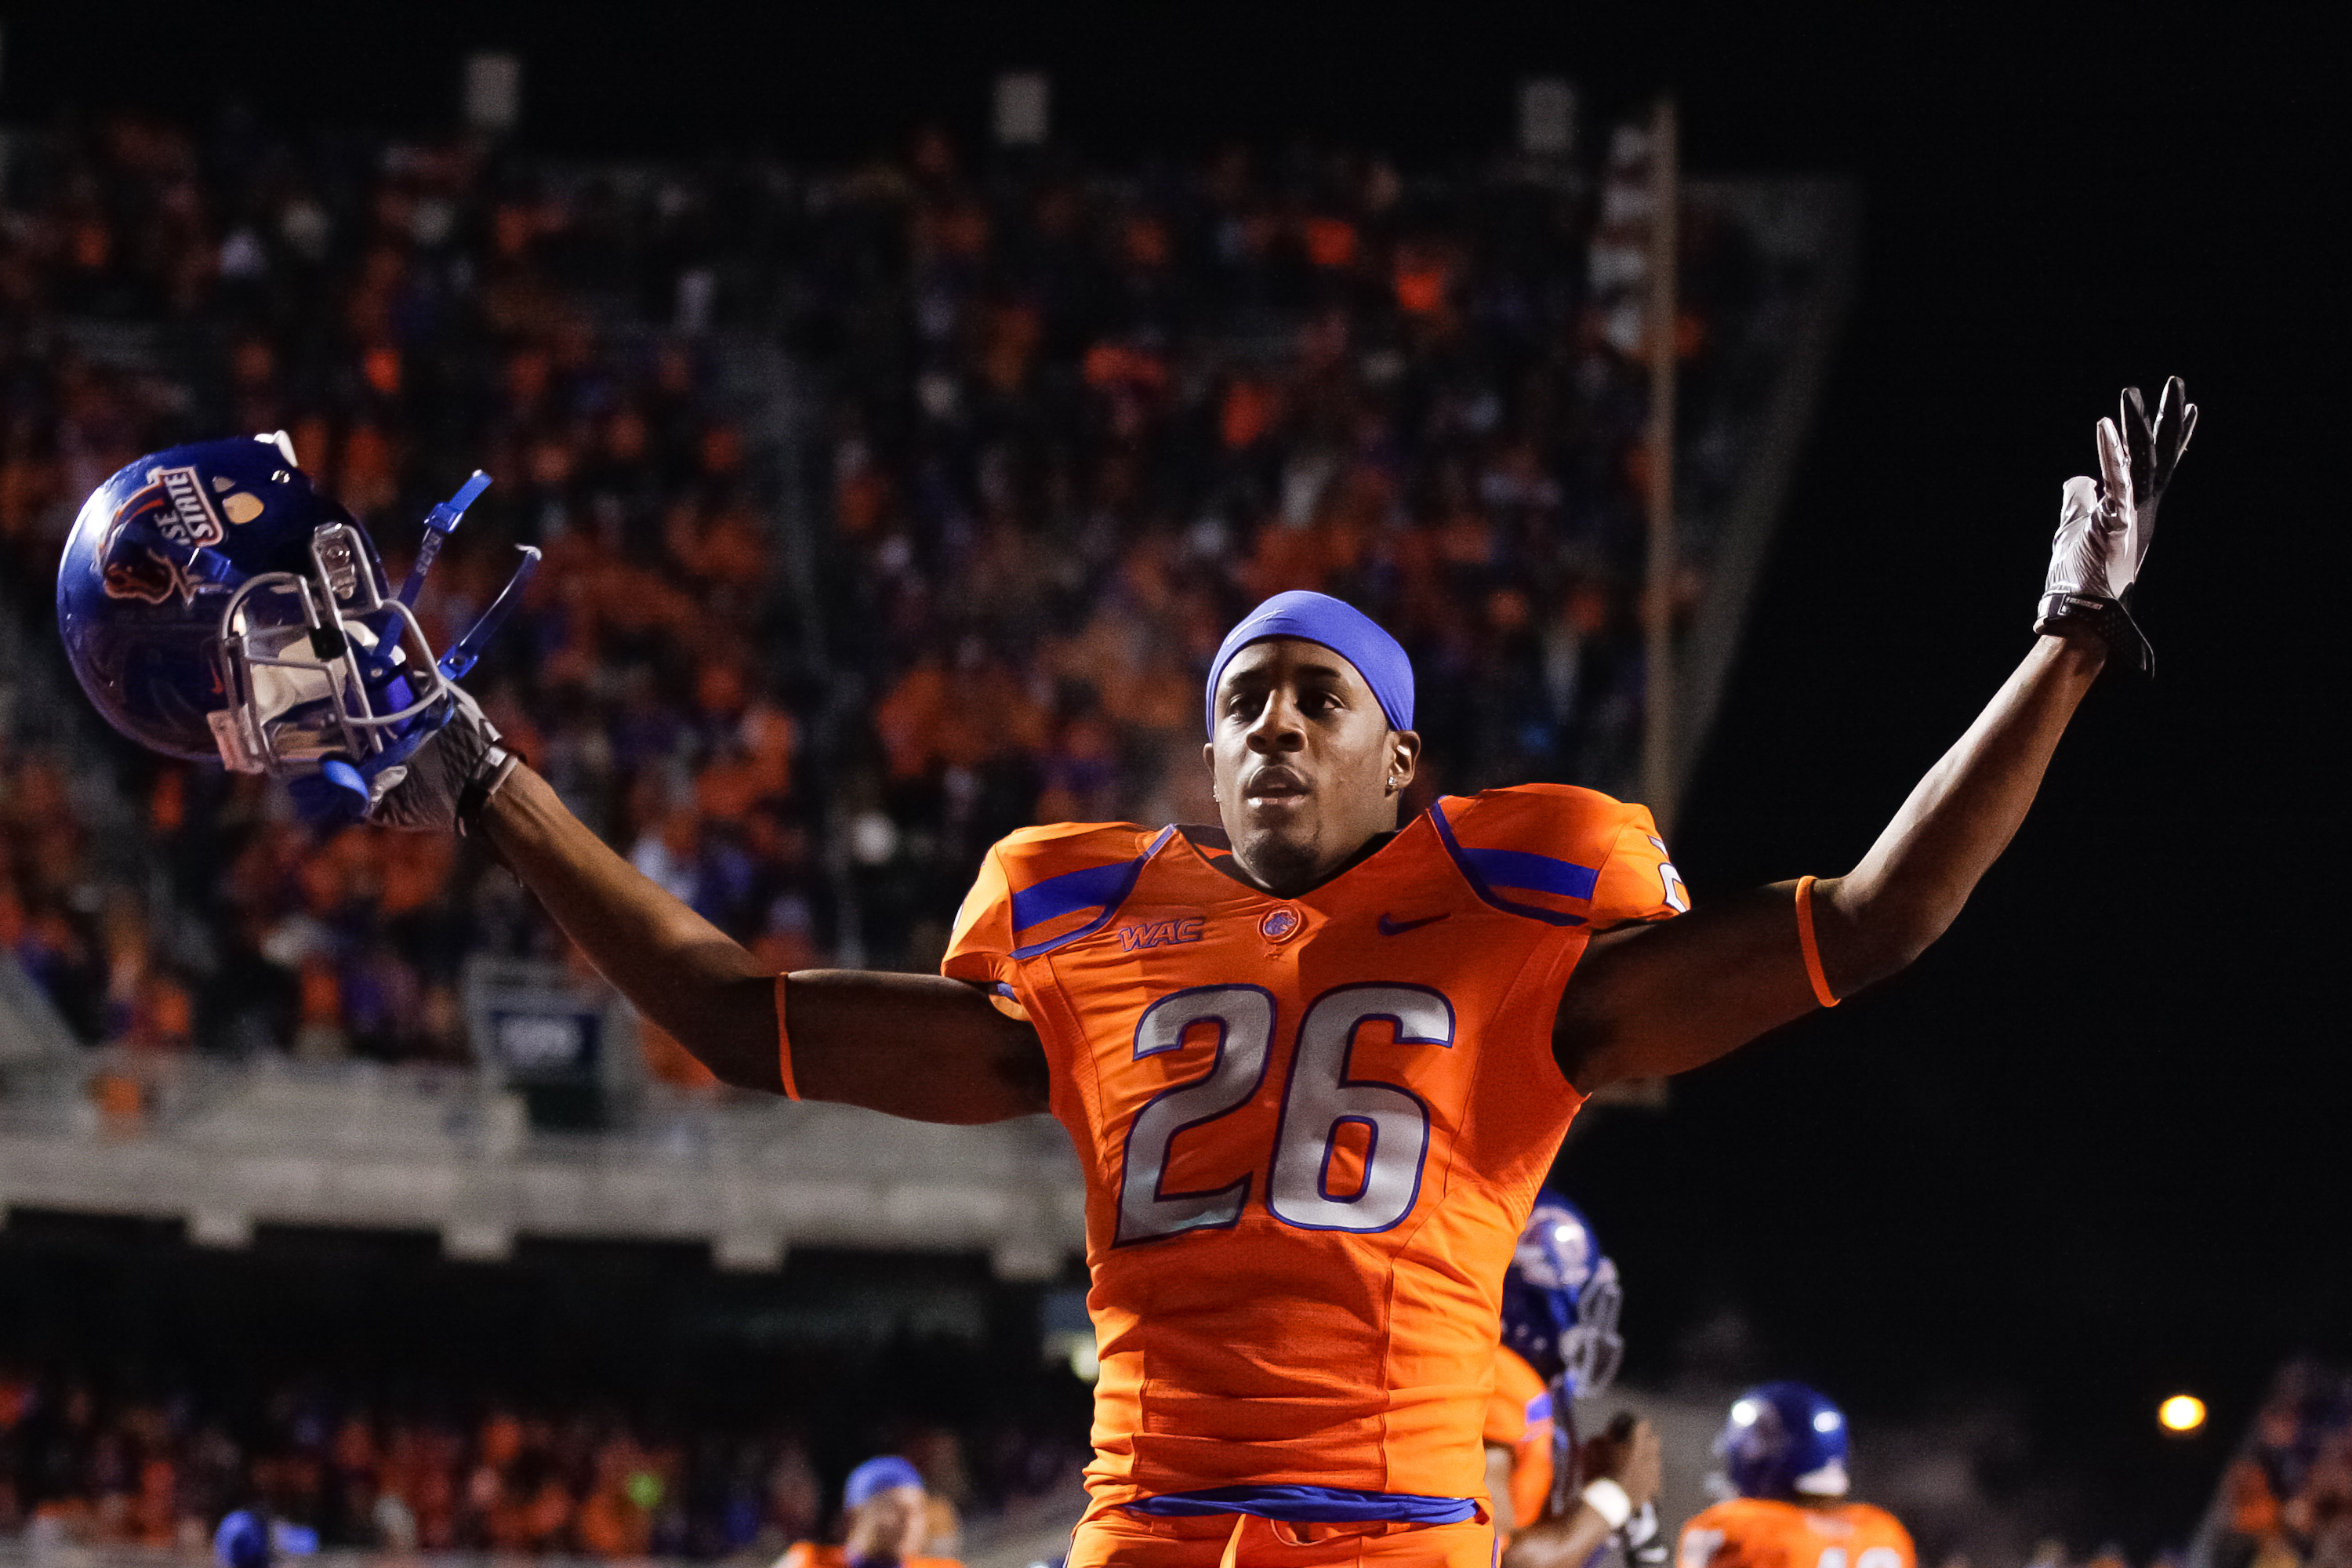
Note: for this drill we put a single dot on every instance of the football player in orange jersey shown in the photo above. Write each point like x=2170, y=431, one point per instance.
x=1554, y=1499
x=1316, y=1063
x=1784, y=1455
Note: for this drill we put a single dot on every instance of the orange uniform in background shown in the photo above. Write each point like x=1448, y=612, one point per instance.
x=1758, y=1532
x=1312, y=1130
x=1520, y=1417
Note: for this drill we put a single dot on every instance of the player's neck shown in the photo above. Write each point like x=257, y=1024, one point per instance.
x=1276, y=881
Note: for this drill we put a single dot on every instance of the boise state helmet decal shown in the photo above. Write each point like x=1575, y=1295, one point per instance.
x=174, y=504
x=1783, y=1440
x=1562, y=1300
x=146, y=567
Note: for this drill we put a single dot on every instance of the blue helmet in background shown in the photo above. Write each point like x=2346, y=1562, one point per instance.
x=1562, y=1300
x=248, y=1539
x=1784, y=1440
x=213, y=603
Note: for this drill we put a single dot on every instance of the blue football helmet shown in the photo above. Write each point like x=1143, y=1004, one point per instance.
x=1561, y=1299
x=1784, y=1440
x=213, y=603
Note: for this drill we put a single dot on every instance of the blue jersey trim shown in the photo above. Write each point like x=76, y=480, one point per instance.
x=1544, y=875
x=1107, y=886
x=1311, y=1505
x=1533, y=873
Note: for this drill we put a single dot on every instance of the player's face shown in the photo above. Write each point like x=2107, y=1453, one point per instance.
x=1305, y=768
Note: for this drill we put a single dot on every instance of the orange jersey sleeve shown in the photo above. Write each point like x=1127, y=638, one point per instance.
x=1518, y=1417
x=1039, y=886
x=1757, y=1533
x=1561, y=851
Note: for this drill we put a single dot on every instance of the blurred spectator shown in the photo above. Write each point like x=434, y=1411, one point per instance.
x=1056, y=426
x=2286, y=1501
x=887, y=1520
x=82, y=1470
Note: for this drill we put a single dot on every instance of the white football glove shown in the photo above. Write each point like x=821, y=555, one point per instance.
x=2105, y=525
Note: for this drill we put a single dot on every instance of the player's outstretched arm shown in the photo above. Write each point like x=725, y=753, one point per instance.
x=1668, y=997
x=917, y=1045
x=1665, y=998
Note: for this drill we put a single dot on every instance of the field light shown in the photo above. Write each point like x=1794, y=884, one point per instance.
x=2181, y=1413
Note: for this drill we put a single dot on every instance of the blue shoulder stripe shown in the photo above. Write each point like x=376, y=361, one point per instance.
x=1533, y=873
x=1519, y=870
x=1088, y=887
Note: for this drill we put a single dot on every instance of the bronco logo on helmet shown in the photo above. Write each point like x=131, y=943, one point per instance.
x=173, y=503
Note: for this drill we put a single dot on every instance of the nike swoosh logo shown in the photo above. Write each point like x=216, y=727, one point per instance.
x=1398, y=928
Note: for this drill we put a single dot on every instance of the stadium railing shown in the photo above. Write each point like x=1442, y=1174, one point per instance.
x=225, y=1146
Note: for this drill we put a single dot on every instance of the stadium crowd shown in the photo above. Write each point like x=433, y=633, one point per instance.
x=80, y=1468
x=815, y=627
x=2286, y=1501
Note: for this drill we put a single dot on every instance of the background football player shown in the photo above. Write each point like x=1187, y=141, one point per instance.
x=1556, y=1500
x=1784, y=1458
x=1315, y=1064
x=885, y=1522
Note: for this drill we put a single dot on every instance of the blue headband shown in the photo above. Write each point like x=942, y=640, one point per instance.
x=1342, y=627
x=875, y=1477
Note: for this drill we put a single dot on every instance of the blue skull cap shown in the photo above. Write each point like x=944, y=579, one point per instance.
x=1337, y=625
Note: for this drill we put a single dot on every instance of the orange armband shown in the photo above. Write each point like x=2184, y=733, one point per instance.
x=1822, y=992
x=784, y=1044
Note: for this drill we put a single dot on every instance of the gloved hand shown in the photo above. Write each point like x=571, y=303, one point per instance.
x=449, y=778
x=2105, y=525
x=441, y=771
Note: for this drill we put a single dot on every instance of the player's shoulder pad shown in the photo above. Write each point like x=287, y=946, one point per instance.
x=1054, y=884
x=1565, y=855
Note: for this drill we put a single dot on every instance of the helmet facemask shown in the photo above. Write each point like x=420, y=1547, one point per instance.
x=322, y=664
x=1591, y=1351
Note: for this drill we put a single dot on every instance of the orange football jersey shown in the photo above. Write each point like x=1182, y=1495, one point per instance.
x=1311, y=1128
x=1518, y=1417
x=1757, y=1533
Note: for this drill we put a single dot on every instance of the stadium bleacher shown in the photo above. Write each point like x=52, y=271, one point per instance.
x=886, y=509
x=796, y=446
x=2286, y=1499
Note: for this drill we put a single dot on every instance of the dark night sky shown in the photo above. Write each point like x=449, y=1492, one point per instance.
x=2092, y=1148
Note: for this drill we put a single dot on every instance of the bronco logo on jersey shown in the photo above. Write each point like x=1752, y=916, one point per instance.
x=173, y=503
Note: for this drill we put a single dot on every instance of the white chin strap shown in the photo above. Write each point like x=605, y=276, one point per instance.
x=1828, y=1482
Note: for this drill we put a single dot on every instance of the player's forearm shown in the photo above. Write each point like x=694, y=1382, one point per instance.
x=1908, y=890
x=681, y=972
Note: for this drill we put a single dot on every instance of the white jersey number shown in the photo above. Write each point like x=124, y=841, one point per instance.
x=1317, y=1103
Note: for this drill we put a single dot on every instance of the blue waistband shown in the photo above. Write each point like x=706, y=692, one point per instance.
x=1311, y=1505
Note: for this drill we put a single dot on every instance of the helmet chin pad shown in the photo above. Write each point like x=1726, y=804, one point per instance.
x=319, y=664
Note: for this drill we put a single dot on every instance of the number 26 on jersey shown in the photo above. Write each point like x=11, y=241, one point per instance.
x=1319, y=1103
